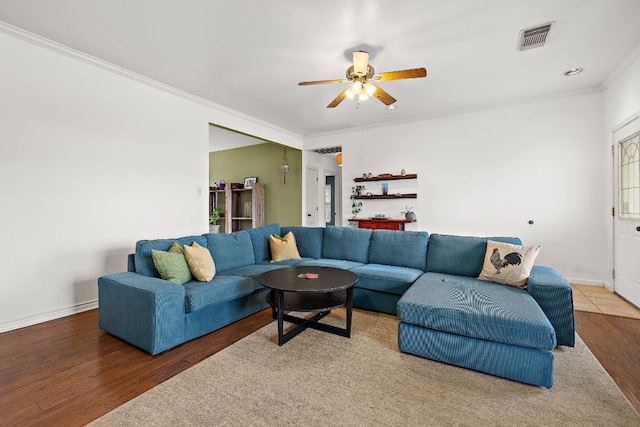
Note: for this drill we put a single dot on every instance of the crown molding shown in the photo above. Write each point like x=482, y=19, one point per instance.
x=67, y=51
x=621, y=68
x=458, y=112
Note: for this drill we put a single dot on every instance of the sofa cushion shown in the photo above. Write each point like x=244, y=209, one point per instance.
x=405, y=249
x=460, y=255
x=230, y=250
x=386, y=278
x=200, y=262
x=308, y=239
x=143, y=260
x=222, y=288
x=478, y=309
x=508, y=264
x=260, y=241
x=288, y=263
x=330, y=262
x=350, y=244
x=253, y=270
x=283, y=248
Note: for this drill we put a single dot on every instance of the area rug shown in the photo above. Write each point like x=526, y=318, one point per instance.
x=322, y=379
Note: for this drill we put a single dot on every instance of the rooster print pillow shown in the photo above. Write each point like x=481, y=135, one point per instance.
x=508, y=264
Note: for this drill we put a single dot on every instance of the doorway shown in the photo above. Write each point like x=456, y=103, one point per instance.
x=330, y=201
x=311, y=219
x=626, y=218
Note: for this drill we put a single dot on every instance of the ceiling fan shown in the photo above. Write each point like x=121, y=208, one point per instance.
x=361, y=74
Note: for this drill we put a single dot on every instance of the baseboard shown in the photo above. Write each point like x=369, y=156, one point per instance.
x=46, y=316
x=599, y=283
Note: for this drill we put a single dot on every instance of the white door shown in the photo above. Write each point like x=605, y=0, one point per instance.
x=626, y=222
x=311, y=218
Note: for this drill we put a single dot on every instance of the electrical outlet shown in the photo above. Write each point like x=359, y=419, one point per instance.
x=199, y=191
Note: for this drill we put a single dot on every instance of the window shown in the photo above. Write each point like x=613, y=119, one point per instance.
x=629, y=179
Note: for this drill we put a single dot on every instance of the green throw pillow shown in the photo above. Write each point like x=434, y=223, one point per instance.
x=171, y=265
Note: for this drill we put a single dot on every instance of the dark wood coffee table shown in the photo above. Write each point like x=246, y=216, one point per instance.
x=332, y=289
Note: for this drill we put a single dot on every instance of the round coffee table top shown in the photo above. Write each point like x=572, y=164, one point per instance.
x=329, y=279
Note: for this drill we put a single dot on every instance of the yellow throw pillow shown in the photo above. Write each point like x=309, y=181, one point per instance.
x=283, y=248
x=508, y=264
x=200, y=262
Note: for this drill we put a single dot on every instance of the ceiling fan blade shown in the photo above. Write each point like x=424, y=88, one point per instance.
x=338, y=99
x=402, y=74
x=322, y=82
x=383, y=96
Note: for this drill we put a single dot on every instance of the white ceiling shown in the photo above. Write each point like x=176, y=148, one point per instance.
x=249, y=55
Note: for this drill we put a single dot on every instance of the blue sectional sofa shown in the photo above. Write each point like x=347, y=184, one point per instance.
x=429, y=281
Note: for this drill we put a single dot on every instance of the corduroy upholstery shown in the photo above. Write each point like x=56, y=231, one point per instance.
x=555, y=296
x=407, y=249
x=523, y=364
x=349, y=244
x=445, y=312
x=260, y=241
x=308, y=239
x=199, y=295
x=230, y=250
x=460, y=255
x=477, y=309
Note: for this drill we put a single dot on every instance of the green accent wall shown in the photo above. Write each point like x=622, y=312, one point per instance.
x=282, y=202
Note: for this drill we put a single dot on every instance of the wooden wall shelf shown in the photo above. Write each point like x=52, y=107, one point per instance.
x=387, y=178
x=389, y=196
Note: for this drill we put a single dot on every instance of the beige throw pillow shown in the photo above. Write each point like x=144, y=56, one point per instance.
x=200, y=262
x=283, y=248
x=508, y=264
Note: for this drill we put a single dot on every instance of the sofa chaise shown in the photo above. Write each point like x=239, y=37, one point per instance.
x=429, y=281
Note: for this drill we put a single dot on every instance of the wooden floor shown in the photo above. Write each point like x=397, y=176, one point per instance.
x=67, y=372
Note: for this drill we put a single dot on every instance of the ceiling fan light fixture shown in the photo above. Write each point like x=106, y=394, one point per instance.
x=350, y=94
x=360, y=74
x=370, y=89
x=360, y=62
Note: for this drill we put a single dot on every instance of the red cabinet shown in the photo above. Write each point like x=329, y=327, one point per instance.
x=381, y=224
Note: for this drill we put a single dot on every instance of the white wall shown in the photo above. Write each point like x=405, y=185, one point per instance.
x=621, y=102
x=490, y=172
x=91, y=161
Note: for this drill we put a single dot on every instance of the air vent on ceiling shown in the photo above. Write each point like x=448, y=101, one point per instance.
x=531, y=38
x=329, y=150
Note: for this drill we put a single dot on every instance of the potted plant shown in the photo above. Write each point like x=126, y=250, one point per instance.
x=409, y=213
x=214, y=227
x=356, y=205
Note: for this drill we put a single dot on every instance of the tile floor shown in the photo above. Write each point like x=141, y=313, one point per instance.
x=598, y=299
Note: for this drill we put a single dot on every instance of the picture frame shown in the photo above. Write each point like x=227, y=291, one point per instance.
x=249, y=181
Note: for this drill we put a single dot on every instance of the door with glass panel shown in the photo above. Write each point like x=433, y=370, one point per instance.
x=627, y=211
